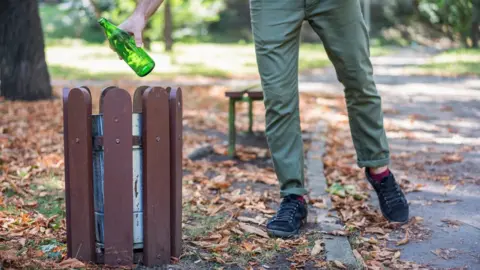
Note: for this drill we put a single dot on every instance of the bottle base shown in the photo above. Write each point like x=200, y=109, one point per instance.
x=147, y=70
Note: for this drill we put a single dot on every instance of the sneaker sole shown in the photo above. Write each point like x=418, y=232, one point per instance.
x=284, y=234
x=391, y=220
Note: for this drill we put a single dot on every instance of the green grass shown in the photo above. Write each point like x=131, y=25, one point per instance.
x=199, y=224
x=98, y=62
x=455, y=62
x=49, y=195
x=49, y=198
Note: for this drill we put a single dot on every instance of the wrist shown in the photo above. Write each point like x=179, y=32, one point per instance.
x=140, y=15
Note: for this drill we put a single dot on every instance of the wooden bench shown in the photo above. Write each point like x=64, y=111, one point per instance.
x=245, y=94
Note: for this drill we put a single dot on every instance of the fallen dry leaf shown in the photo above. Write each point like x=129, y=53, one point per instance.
x=451, y=222
x=450, y=201
x=210, y=245
x=339, y=264
x=450, y=187
x=317, y=248
x=259, y=220
x=320, y=205
x=219, y=182
x=32, y=204
x=22, y=241
x=213, y=210
x=372, y=240
x=445, y=253
x=418, y=219
x=452, y=158
x=71, y=263
x=375, y=230
x=404, y=240
x=359, y=258
x=248, y=246
x=254, y=230
x=320, y=264
x=338, y=233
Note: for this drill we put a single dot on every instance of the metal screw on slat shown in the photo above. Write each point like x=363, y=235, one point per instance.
x=157, y=138
x=77, y=140
x=117, y=141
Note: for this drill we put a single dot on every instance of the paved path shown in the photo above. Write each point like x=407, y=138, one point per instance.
x=433, y=128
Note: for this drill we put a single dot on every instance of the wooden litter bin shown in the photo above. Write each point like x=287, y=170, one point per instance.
x=123, y=175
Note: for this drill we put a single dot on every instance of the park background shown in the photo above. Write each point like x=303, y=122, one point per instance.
x=206, y=47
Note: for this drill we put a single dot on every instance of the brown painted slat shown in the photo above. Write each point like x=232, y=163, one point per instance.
x=86, y=88
x=102, y=97
x=66, y=91
x=138, y=98
x=118, y=216
x=176, y=142
x=156, y=177
x=79, y=186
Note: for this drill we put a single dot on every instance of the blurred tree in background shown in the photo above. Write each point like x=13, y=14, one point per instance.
x=452, y=17
x=184, y=20
x=23, y=69
x=420, y=20
x=229, y=20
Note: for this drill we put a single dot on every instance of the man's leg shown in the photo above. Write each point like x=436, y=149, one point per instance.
x=342, y=29
x=276, y=28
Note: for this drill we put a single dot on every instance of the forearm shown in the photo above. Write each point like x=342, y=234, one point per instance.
x=146, y=8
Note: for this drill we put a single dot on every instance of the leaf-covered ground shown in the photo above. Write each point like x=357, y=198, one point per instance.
x=226, y=201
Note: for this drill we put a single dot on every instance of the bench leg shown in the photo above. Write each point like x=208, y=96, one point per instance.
x=250, y=115
x=231, y=128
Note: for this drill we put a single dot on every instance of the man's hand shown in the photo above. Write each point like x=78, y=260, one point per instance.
x=134, y=25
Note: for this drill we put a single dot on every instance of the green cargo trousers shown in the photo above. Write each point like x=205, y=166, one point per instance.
x=276, y=28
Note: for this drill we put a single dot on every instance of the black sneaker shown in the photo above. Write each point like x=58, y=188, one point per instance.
x=289, y=218
x=393, y=203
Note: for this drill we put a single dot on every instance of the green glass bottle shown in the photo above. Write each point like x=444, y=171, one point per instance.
x=124, y=44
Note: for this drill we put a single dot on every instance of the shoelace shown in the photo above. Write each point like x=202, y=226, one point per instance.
x=392, y=195
x=287, y=211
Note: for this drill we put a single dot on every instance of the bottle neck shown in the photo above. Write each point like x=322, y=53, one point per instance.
x=108, y=26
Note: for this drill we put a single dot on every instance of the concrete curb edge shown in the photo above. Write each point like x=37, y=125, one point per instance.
x=337, y=248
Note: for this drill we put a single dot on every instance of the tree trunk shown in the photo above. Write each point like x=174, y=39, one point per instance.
x=147, y=41
x=23, y=70
x=474, y=34
x=168, y=30
x=475, y=23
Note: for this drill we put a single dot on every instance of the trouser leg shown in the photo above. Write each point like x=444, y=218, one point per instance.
x=341, y=27
x=276, y=28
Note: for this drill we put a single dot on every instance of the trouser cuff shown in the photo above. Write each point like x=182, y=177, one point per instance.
x=300, y=191
x=373, y=163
